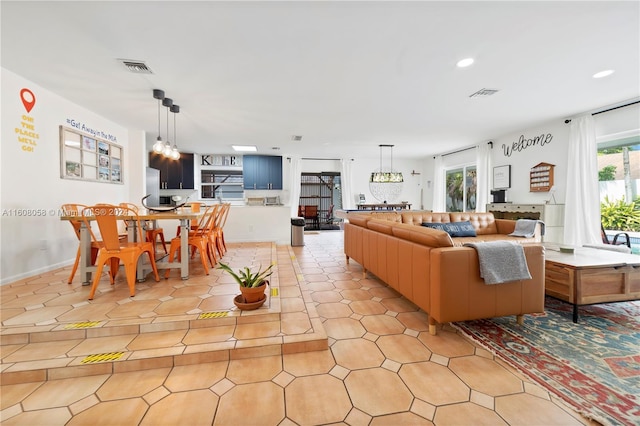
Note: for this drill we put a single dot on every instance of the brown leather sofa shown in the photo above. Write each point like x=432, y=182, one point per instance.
x=436, y=272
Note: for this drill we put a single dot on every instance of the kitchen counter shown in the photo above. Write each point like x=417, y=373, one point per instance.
x=259, y=223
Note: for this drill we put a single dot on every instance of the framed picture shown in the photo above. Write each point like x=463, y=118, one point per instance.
x=502, y=177
x=103, y=148
x=73, y=169
x=89, y=144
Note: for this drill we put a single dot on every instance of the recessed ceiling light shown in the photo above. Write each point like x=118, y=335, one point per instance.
x=603, y=73
x=464, y=62
x=244, y=148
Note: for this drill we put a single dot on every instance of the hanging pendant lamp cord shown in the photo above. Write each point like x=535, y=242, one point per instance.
x=158, y=117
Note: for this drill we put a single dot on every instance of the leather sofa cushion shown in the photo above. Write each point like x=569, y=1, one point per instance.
x=390, y=216
x=420, y=217
x=484, y=223
x=422, y=235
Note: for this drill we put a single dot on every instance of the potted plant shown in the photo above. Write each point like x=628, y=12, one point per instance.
x=252, y=285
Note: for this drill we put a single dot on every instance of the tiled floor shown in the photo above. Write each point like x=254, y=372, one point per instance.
x=265, y=367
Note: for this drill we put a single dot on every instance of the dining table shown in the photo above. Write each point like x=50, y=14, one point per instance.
x=183, y=215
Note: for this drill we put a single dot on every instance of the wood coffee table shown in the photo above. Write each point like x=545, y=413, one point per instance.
x=589, y=276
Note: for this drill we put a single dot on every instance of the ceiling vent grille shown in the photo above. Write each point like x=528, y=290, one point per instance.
x=138, y=67
x=296, y=138
x=483, y=93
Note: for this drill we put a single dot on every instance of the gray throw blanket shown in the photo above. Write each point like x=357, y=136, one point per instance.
x=501, y=261
x=527, y=228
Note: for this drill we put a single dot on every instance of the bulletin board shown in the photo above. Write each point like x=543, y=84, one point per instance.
x=86, y=157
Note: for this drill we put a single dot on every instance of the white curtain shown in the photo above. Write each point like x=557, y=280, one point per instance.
x=345, y=184
x=582, y=202
x=438, y=186
x=296, y=177
x=483, y=176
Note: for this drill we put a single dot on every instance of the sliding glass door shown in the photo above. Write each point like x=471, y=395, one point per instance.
x=461, y=189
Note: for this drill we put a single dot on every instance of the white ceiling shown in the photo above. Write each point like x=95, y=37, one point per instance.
x=347, y=76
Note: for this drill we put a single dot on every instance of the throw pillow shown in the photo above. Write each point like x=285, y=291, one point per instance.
x=454, y=229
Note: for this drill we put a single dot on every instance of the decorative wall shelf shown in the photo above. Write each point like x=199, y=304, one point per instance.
x=541, y=177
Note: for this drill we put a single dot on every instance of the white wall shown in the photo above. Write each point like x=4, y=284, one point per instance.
x=361, y=171
x=508, y=150
x=30, y=180
x=555, y=151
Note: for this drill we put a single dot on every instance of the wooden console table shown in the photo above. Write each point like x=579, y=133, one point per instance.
x=384, y=206
x=589, y=276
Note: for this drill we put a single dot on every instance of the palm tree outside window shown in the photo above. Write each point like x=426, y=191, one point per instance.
x=461, y=189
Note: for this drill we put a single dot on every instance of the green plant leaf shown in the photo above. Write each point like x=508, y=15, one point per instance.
x=245, y=277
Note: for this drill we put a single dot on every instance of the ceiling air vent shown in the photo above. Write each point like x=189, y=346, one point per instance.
x=483, y=93
x=296, y=138
x=136, y=66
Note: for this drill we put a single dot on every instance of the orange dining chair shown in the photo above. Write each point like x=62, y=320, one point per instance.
x=76, y=210
x=197, y=239
x=218, y=230
x=214, y=234
x=311, y=212
x=114, y=249
x=151, y=233
x=215, y=210
x=195, y=208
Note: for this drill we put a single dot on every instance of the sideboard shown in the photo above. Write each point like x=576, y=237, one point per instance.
x=551, y=214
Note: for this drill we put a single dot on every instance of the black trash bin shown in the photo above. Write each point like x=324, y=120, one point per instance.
x=297, y=231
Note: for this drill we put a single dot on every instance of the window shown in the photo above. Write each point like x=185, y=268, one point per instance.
x=221, y=184
x=619, y=169
x=461, y=188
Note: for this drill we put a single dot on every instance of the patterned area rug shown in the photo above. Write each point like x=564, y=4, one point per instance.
x=594, y=366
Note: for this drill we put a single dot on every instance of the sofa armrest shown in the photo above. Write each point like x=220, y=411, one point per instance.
x=458, y=293
x=359, y=220
x=507, y=226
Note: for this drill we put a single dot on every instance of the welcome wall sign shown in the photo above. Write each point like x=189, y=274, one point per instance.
x=523, y=144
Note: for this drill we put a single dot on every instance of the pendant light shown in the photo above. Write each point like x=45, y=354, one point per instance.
x=386, y=185
x=158, y=147
x=167, y=146
x=175, y=154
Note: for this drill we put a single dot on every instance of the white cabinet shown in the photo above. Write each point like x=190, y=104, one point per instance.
x=551, y=214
